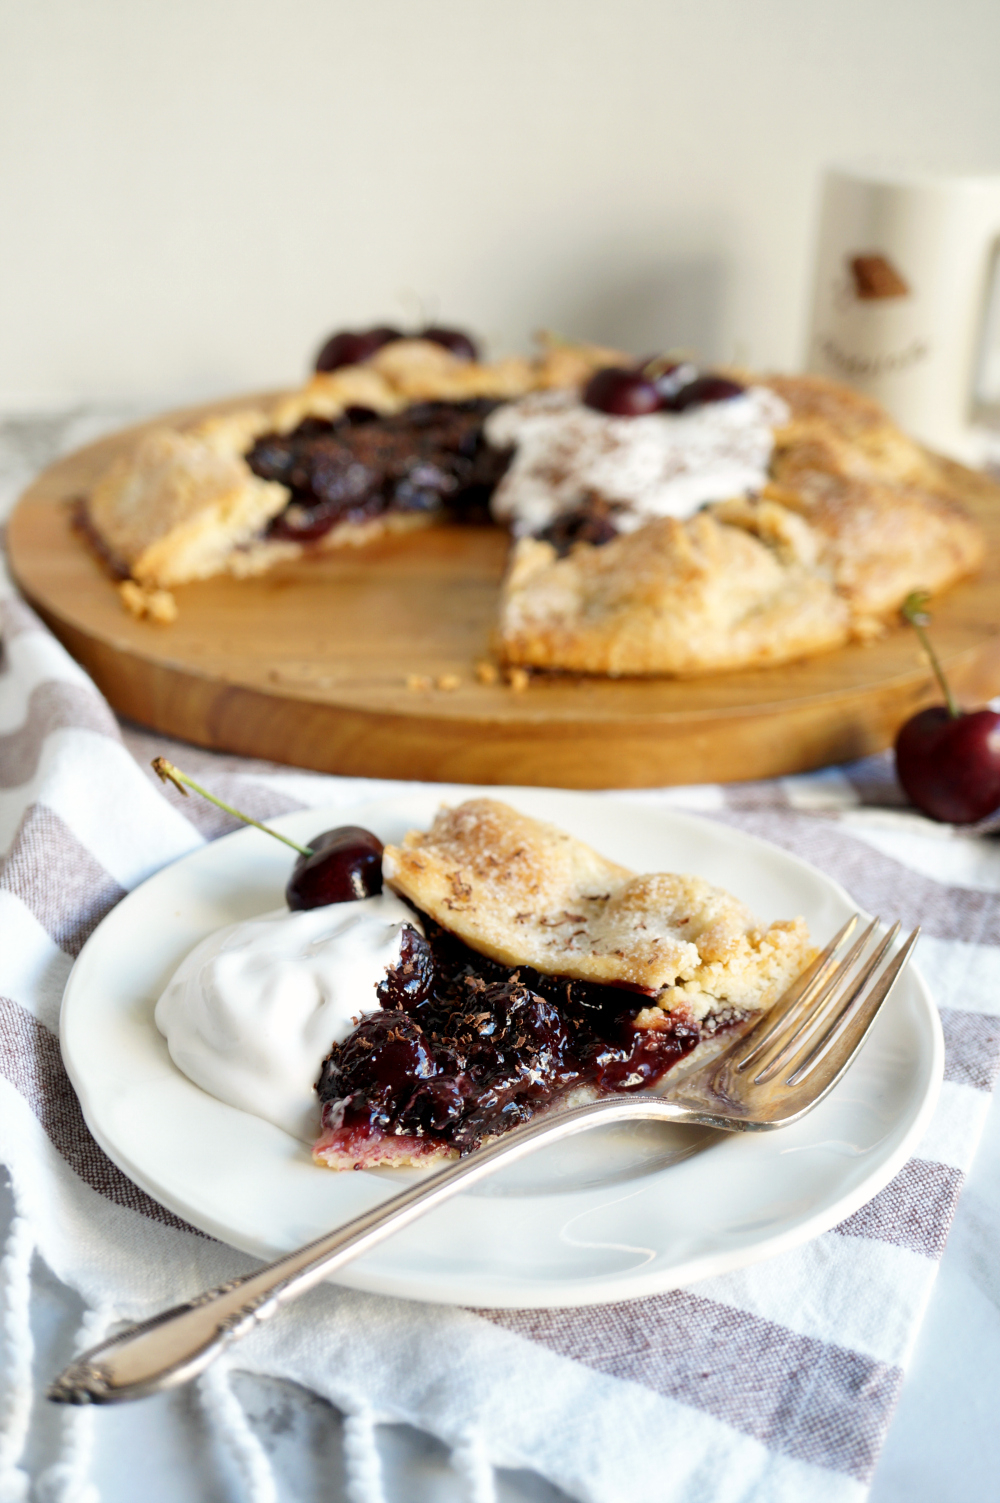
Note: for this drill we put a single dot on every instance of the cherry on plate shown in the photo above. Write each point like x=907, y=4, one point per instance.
x=350, y=347
x=345, y=865
x=451, y=339
x=622, y=393
x=702, y=390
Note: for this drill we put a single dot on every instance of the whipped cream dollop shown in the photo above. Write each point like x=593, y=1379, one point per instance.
x=665, y=464
x=254, y=1009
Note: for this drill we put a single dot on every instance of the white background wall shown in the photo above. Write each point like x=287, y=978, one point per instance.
x=192, y=192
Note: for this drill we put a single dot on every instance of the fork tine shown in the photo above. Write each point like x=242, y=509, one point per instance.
x=861, y=1007
x=822, y=1005
x=833, y=1002
x=798, y=996
x=783, y=1043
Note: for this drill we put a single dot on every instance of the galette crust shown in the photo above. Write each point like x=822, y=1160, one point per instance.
x=185, y=505
x=887, y=514
x=525, y=893
x=674, y=597
x=854, y=517
x=177, y=507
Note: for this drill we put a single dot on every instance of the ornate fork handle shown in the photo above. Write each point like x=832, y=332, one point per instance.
x=175, y=1346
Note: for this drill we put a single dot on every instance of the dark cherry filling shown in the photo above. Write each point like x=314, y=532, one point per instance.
x=429, y=456
x=465, y=1047
x=590, y=522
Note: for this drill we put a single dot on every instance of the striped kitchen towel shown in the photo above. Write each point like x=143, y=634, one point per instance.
x=769, y=1385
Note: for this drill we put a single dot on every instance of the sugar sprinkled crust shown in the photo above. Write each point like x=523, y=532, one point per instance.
x=525, y=893
x=887, y=515
x=854, y=516
x=179, y=504
x=675, y=597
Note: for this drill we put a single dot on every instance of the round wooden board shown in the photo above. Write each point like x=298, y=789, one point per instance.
x=308, y=665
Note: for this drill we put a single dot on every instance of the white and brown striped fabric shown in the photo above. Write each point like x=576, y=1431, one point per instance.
x=765, y=1386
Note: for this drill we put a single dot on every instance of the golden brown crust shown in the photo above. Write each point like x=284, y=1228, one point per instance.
x=417, y=370
x=525, y=893
x=888, y=515
x=673, y=598
x=854, y=517
x=421, y=371
x=563, y=365
x=177, y=507
x=329, y=393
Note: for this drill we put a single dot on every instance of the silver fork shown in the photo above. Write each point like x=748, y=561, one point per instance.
x=773, y=1073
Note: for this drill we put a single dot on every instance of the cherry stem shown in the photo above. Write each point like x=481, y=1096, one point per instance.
x=660, y=364
x=914, y=610
x=168, y=773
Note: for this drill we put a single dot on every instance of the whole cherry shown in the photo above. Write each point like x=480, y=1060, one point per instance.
x=454, y=340
x=948, y=759
x=701, y=390
x=669, y=376
x=337, y=866
x=349, y=347
x=343, y=865
x=621, y=392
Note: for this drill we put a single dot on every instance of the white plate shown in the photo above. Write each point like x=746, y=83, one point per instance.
x=618, y=1213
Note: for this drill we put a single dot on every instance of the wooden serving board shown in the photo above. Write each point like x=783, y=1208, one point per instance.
x=309, y=665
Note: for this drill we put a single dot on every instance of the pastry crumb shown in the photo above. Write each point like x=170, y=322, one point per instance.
x=486, y=672
x=868, y=629
x=518, y=679
x=418, y=681
x=651, y=1017
x=447, y=681
x=133, y=597
x=158, y=605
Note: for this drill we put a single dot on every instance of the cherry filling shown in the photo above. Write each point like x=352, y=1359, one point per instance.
x=364, y=464
x=465, y=1047
x=591, y=522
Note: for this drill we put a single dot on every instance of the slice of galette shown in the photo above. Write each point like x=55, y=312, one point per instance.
x=536, y=972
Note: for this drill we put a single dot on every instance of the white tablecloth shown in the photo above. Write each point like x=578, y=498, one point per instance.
x=943, y=1442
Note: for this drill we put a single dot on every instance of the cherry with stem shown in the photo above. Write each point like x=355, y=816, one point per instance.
x=947, y=758
x=914, y=610
x=337, y=866
x=168, y=773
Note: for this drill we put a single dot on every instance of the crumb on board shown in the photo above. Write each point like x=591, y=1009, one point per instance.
x=867, y=629
x=418, y=681
x=158, y=605
x=447, y=681
x=486, y=672
x=518, y=679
